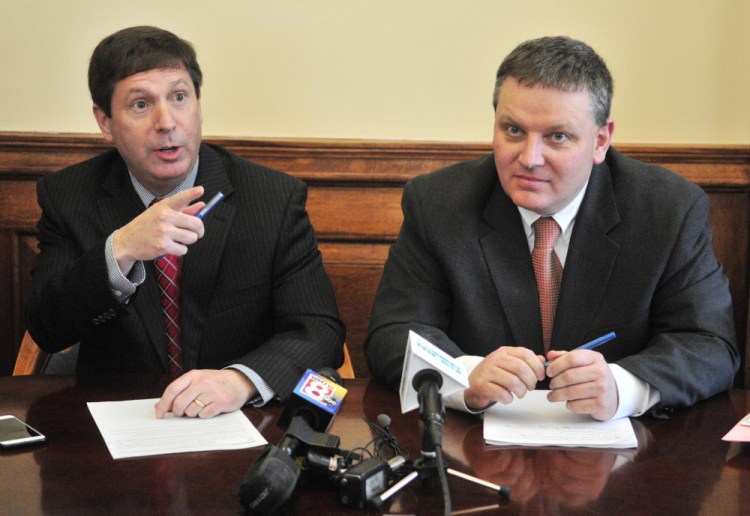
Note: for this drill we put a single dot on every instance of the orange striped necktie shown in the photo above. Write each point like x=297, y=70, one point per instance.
x=548, y=272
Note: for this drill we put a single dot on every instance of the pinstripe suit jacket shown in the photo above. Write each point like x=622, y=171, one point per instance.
x=254, y=290
x=640, y=263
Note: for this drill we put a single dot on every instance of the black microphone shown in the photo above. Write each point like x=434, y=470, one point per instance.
x=427, y=383
x=271, y=479
x=384, y=421
x=317, y=397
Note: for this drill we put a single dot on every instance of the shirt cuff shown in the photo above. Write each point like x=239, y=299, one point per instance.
x=456, y=400
x=635, y=396
x=121, y=286
x=265, y=392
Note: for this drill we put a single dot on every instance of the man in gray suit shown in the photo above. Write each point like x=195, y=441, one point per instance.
x=634, y=247
x=256, y=305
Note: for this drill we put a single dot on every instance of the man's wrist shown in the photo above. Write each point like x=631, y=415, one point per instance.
x=121, y=286
x=263, y=393
x=124, y=263
x=250, y=391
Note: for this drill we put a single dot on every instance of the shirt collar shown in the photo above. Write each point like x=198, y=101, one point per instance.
x=564, y=217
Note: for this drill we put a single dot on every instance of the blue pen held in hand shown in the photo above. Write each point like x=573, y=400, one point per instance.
x=210, y=205
x=206, y=209
x=591, y=345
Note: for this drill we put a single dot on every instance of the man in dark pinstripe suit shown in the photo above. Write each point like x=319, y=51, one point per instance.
x=257, y=307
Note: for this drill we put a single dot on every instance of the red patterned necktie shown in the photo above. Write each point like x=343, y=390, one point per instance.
x=548, y=272
x=168, y=272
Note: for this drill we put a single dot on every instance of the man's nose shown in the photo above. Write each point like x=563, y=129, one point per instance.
x=532, y=153
x=163, y=119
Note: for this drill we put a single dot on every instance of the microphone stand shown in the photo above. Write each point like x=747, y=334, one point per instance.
x=431, y=463
x=427, y=470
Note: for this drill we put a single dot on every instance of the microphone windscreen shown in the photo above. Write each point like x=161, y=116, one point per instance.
x=384, y=420
x=427, y=375
x=269, y=482
x=331, y=374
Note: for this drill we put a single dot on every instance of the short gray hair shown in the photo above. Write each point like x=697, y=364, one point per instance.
x=561, y=63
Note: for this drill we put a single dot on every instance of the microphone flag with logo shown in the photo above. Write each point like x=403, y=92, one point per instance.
x=422, y=354
x=317, y=397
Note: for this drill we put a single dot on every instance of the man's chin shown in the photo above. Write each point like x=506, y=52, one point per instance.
x=162, y=180
x=532, y=201
x=171, y=169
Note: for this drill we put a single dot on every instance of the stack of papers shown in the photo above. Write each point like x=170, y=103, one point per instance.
x=740, y=432
x=534, y=421
x=130, y=429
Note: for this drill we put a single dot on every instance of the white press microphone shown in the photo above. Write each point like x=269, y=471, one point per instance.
x=423, y=356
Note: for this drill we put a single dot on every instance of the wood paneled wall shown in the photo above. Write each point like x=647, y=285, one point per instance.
x=354, y=204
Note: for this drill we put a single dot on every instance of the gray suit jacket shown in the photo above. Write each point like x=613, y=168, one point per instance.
x=254, y=289
x=640, y=263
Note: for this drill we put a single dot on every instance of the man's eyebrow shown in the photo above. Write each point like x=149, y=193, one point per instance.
x=557, y=128
x=142, y=90
x=137, y=89
x=560, y=128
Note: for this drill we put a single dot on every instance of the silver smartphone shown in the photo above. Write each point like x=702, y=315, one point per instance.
x=14, y=432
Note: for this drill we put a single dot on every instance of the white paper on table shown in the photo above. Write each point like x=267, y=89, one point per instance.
x=131, y=429
x=534, y=421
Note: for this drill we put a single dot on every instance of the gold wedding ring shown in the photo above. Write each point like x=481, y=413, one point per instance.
x=199, y=403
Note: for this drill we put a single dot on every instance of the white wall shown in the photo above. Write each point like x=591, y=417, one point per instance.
x=389, y=69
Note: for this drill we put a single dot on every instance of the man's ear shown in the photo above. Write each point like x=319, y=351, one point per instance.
x=104, y=123
x=603, y=141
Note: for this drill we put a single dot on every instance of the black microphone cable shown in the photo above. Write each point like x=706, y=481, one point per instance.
x=440, y=464
x=384, y=437
x=375, y=448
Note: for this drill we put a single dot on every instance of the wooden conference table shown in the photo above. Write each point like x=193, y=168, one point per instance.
x=680, y=467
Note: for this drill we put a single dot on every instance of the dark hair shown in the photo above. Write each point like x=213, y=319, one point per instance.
x=561, y=63
x=134, y=50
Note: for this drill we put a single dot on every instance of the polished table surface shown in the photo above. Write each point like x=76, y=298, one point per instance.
x=681, y=465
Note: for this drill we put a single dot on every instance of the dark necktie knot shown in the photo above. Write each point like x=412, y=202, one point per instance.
x=546, y=231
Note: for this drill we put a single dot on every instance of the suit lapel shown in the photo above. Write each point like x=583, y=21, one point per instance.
x=200, y=266
x=117, y=207
x=506, y=252
x=588, y=267
x=120, y=204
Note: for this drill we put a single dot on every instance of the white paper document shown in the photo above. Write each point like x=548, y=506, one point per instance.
x=534, y=421
x=131, y=429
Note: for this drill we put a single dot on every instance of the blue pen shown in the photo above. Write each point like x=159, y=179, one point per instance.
x=206, y=209
x=210, y=205
x=591, y=345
